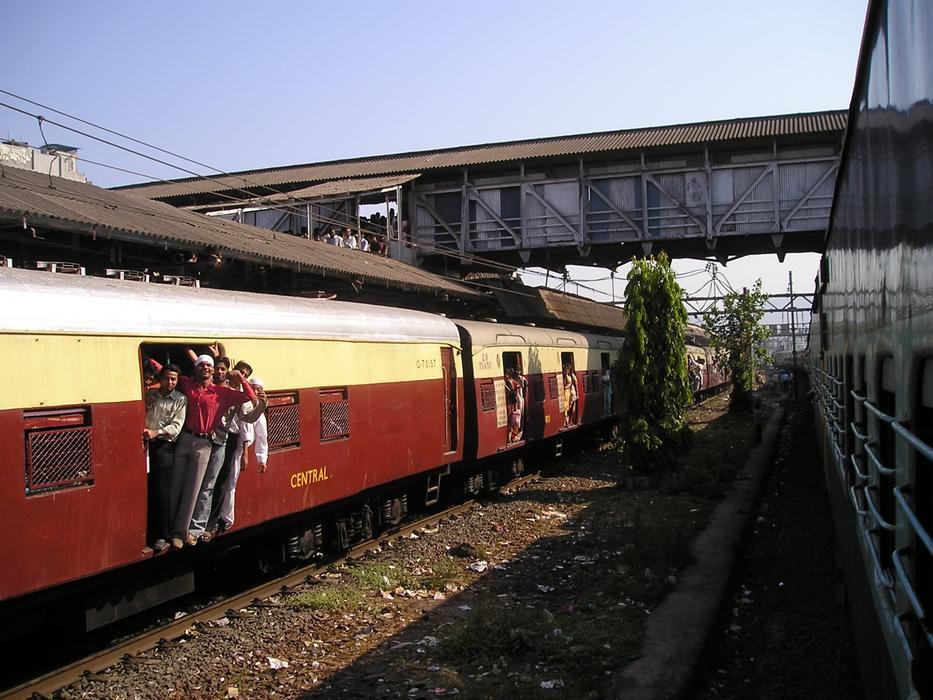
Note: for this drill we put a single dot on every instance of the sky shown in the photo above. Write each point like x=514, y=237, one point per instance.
x=241, y=85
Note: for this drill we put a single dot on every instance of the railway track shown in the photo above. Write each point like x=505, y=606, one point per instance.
x=54, y=681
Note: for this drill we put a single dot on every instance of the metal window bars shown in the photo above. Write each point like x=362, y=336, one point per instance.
x=865, y=490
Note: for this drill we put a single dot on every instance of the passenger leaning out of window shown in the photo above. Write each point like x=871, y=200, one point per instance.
x=207, y=403
x=165, y=415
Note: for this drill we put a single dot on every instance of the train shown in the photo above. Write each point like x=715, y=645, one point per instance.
x=871, y=349
x=372, y=411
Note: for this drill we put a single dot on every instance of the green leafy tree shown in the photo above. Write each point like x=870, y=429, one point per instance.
x=736, y=334
x=651, y=369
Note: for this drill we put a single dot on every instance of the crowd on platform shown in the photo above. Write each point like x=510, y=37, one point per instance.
x=368, y=236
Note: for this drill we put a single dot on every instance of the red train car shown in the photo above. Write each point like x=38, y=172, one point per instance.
x=365, y=409
x=525, y=385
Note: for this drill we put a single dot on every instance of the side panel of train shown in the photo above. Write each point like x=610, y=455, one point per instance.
x=343, y=417
x=872, y=342
x=712, y=377
x=499, y=353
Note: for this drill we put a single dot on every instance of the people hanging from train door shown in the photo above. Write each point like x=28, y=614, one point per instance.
x=607, y=391
x=252, y=431
x=207, y=402
x=165, y=415
x=570, y=396
x=517, y=409
x=233, y=432
x=694, y=373
x=222, y=438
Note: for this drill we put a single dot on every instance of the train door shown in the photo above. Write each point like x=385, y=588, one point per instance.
x=449, y=369
x=516, y=394
x=571, y=390
x=605, y=376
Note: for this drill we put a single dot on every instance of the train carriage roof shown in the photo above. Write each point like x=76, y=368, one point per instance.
x=44, y=302
x=487, y=334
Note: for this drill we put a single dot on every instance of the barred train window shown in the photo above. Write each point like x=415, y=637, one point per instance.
x=552, y=391
x=335, y=414
x=58, y=449
x=487, y=394
x=283, y=419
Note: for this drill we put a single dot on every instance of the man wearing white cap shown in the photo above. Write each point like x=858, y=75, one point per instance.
x=207, y=403
x=251, y=432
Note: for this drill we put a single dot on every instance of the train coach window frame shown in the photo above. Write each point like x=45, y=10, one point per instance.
x=334, y=403
x=487, y=395
x=58, y=449
x=283, y=420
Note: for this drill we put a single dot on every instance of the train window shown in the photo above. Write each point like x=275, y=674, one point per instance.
x=487, y=393
x=553, y=391
x=283, y=418
x=58, y=449
x=335, y=414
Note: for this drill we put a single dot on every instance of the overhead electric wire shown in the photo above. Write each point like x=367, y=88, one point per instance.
x=253, y=198
x=439, y=249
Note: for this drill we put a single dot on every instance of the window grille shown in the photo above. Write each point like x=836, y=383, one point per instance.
x=58, y=449
x=487, y=392
x=283, y=420
x=552, y=390
x=335, y=414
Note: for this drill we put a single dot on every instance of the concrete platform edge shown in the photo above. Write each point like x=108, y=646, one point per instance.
x=679, y=629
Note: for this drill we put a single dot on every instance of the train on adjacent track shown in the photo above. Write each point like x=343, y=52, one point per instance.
x=371, y=411
x=871, y=341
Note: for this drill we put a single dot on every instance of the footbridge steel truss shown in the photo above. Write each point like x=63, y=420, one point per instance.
x=713, y=203
x=709, y=190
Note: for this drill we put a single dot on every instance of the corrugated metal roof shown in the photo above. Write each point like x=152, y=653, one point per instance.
x=322, y=190
x=547, y=305
x=70, y=205
x=781, y=126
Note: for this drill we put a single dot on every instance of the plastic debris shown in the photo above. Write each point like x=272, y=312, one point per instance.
x=464, y=608
x=478, y=566
x=551, y=685
x=545, y=589
x=554, y=514
x=233, y=692
x=276, y=664
x=429, y=641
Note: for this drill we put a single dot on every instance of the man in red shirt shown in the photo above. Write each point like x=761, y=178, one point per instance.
x=207, y=403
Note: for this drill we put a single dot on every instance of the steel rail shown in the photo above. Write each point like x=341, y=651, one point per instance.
x=95, y=663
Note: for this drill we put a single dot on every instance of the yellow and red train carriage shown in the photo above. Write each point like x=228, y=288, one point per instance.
x=360, y=398
x=497, y=353
x=368, y=408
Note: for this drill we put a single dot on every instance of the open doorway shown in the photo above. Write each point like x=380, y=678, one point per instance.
x=571, y=393
x=516, y=392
